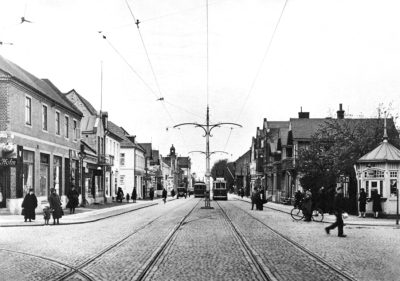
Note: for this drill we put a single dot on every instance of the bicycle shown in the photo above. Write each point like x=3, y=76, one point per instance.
x=297, y=214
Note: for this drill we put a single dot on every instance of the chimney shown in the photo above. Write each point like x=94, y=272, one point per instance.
x=340, y=112
x=303, y=115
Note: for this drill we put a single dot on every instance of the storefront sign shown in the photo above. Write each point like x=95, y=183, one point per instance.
x=8, y=162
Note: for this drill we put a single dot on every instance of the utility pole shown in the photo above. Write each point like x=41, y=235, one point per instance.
x=207, y=130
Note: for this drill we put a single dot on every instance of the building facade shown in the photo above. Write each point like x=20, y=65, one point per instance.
x=39, y=138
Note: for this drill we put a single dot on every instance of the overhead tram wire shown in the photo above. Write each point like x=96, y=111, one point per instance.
x=137, y=22
x=131, y=67
x=263, y=59
x=161, y=97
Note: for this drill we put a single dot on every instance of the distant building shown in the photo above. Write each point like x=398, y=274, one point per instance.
x=180, y=170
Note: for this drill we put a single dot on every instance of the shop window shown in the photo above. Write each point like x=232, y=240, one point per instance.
x=28, y=164
x=44, y=174
x=57, y=173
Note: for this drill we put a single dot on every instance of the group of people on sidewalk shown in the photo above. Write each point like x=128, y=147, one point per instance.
x=257, y=199
x=30, y=203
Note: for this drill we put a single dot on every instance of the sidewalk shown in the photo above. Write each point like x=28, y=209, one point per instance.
x=83, y=214
x=351, y=220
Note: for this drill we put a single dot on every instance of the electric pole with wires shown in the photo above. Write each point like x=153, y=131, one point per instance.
x=207, y=130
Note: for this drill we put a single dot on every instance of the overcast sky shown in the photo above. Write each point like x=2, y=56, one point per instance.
x=324, y=52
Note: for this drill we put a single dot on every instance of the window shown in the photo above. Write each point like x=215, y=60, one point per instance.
x=66, y=129
x=57, y=173
x=393, y=174
x=57, y=123
x=393, y=187
x=44, y=117
x=75, y=130
x=122, y=180
x=122, y=159
x=28, y=160
x=44, y=174
x=28, y=111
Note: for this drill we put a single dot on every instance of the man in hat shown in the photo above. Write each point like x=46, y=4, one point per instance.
x=339, y=209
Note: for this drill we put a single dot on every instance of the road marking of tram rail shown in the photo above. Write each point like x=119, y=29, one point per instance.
x=302, y=248
x=252, y=254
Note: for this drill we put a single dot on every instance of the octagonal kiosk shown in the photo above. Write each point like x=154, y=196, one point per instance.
x=379, y=170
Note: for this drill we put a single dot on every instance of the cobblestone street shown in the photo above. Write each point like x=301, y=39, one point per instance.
x=159, y=243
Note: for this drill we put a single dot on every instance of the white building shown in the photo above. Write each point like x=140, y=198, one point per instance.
x=113, y=145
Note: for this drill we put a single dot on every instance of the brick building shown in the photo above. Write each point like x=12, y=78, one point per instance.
x=39, y=138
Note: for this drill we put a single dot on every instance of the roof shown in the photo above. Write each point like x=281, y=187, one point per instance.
x=304, y=128
x=121, y=133
x=43, y=87
x=85, y=102
x=113, y=129
x=277, y=124
x=147, y=148
x=184, y=162
x=88, y=124
x=385, y=152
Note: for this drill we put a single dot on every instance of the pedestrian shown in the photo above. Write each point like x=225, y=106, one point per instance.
x=321, y=199
x=120, y=195
x=298, y=196
x=259, y=200
x=338, y=209
x=376, y=203
x=134, y=195
x=73, y=200
x=151, y=193
x=253, y=198
x=164, y=195
x=55, y=206
x=307, y=205
x=172, y=193
x=362, y=199
x=29, y=205
x=46, y=215
x=241, y=192
x=127, y=198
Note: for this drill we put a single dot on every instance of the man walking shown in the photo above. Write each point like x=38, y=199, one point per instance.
x=339, y=209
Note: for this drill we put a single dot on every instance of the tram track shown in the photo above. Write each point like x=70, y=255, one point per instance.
x=72, y=270
x=323, y=262
x=158, y=253
x=262, y=270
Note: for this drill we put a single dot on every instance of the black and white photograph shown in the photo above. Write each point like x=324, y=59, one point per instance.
x=199, y=140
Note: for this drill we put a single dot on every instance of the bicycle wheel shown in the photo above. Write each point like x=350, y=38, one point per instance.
x=297, y=214
x=318, y=215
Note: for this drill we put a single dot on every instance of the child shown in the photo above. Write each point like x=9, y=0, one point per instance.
x=46, y=215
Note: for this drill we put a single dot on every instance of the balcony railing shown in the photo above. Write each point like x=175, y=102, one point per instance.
x=106, y=159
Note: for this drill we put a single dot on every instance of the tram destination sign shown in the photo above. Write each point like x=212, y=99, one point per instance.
x=6, y=162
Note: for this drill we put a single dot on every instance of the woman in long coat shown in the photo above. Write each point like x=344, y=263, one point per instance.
x=73, y=200
x=376, y=203
x=55, y=206
x=29, y=204
x=362, y=202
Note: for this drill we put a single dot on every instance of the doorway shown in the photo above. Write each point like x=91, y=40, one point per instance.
x=4, y=185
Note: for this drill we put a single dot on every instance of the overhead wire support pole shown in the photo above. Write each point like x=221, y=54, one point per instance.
x=207, y=130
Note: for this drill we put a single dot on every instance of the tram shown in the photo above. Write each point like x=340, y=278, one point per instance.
x=219, y=189
x=199, y=189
